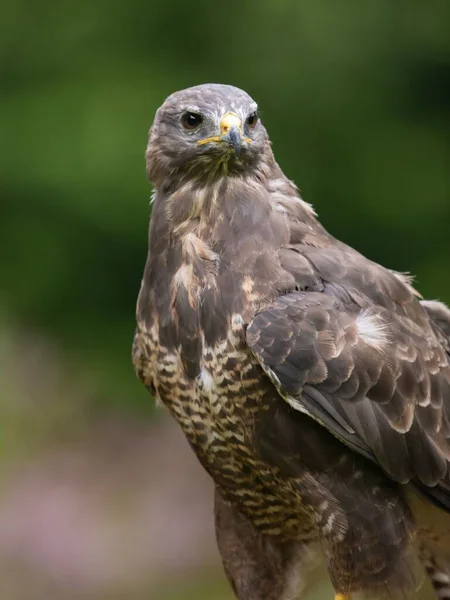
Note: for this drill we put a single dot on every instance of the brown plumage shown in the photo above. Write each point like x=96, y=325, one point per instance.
x=312, y=383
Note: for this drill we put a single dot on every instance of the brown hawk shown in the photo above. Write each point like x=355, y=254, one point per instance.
x=312, y=383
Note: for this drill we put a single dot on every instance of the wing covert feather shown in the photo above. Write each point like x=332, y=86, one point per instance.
x=368, y=376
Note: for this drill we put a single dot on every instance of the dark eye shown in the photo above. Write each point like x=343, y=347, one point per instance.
x=252, y=120
x=191, y=120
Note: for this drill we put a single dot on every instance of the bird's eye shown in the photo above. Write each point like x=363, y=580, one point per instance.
x=252, y=120
x=191, y=120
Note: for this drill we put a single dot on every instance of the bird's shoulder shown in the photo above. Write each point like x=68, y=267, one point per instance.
x=319, y=262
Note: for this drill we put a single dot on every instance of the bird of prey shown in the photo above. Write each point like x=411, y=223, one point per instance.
x=312, y=383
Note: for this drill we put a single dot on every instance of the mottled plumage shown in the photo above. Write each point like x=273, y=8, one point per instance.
x=312, y=383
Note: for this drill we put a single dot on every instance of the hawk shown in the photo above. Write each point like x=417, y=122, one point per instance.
x=312, y=383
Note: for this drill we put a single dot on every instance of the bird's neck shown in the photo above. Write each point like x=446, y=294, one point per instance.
x=233, y=217
x=214, y=257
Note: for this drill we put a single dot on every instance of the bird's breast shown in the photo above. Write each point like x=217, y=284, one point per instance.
x=217, y=408
x=217, y=411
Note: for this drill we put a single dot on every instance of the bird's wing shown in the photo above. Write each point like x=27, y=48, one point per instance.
x=373, y=377
x=439, y=315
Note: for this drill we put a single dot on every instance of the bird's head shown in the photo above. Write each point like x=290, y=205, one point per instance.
x=206, y=131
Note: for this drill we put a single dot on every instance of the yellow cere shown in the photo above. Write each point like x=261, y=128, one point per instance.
x=229, y=120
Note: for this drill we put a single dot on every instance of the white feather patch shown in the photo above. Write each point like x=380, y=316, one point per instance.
x=372, y=329
x=183, y=276
x=236, y=320
x=207, y=380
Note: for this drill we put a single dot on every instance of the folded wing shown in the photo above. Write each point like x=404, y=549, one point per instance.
x=372, y=377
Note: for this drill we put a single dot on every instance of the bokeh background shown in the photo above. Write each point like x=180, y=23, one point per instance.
x=100, y=497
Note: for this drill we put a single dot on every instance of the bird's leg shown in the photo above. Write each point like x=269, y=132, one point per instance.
x=258, y=568
x=341, y=597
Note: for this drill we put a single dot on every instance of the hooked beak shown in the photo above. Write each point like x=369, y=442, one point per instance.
x=233, y=137
x=230, y=133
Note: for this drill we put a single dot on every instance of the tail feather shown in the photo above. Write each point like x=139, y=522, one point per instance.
x=440, y=580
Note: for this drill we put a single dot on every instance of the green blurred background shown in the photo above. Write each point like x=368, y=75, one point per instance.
x=100, y=497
